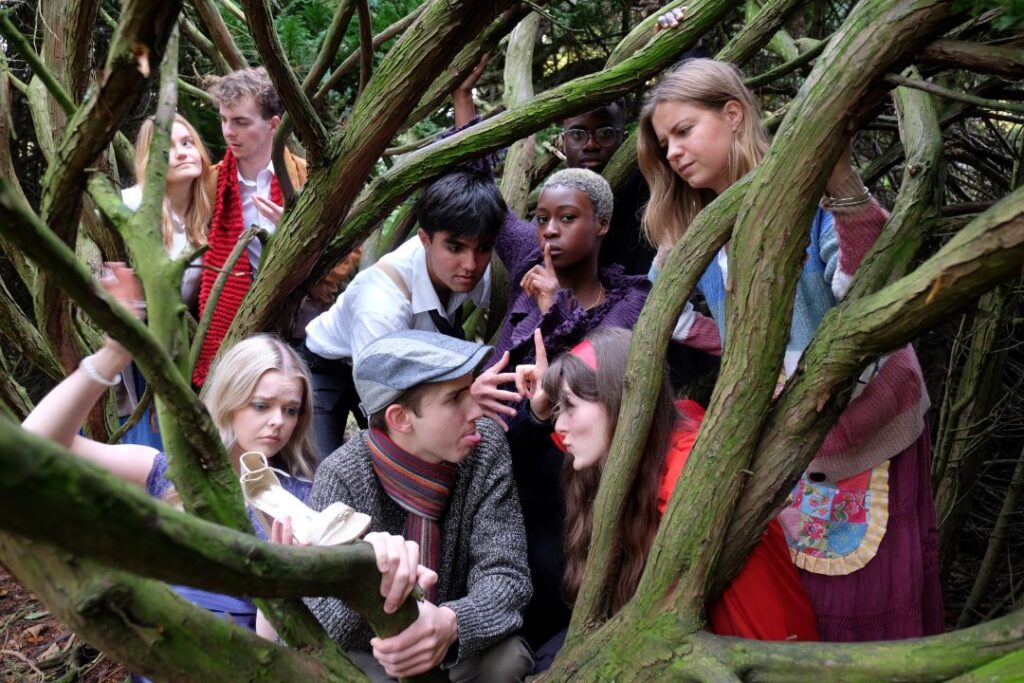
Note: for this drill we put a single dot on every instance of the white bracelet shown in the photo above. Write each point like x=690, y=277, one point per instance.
x=92, y=373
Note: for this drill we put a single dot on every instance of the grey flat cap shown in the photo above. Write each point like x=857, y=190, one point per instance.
x=392, y=365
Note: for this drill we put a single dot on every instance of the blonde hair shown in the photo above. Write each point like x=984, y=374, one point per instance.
x=234, y=377
x=200, y=209
x=709, y=84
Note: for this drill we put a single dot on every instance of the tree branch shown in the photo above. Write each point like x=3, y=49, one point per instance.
x=335, y=34
x=305, y=119
x=193, y=35
x=18, y=41
x=350, y=61
x=151, y=629
x=515, y=181
x=365, y=44
x=25, y=337
x=214, y=22
x=996, y=105
x=758, y=31
x=988, y=59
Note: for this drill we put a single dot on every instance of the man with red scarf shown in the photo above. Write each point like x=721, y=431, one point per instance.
x=247, y=193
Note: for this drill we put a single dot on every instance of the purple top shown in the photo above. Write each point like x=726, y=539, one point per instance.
x=566, y=322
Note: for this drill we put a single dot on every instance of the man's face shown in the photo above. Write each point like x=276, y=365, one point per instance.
x=455, y=264
x=443, y=429
x=247, y=133
x=603, y=130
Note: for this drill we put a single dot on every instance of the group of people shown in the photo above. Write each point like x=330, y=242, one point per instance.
x=479, y=465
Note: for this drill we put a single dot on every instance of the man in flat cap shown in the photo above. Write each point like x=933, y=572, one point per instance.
x=432, y=469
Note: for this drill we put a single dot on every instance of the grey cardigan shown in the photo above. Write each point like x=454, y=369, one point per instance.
x=483, y=575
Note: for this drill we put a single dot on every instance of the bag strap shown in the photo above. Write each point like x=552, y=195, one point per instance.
x=390, y=271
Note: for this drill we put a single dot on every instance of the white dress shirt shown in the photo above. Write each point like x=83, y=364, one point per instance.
x=373, y=305
x=247, y=189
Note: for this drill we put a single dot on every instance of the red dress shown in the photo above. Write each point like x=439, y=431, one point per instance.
x=767, y=599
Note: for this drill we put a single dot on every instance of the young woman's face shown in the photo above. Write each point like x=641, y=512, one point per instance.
x=268, y=419
x=185, y=162
x=565, y=219
x=583, y=426
x=697, y=141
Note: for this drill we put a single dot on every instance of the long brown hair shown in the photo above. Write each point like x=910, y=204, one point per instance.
x=640, y=517
x=709, y=84
x=200, y=209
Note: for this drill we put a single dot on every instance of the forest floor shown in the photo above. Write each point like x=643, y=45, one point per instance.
x=35, y=646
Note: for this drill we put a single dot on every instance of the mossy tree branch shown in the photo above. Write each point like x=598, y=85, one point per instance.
x=757, y=32
x=987, y=59
x=515, y=181
x=151, y=629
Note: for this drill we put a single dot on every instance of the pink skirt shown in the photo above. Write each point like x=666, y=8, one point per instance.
x=897, y=594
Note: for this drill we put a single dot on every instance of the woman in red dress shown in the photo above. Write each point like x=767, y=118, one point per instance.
x=582, y=392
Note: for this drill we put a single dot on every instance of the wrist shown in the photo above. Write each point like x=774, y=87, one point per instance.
x=451, y=623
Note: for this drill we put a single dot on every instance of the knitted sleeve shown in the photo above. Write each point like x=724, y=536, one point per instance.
x=693, y=328
x=855, y=231
x=498, y=581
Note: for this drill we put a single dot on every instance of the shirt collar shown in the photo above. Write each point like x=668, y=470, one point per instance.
x=252, y=183
x=424, y=296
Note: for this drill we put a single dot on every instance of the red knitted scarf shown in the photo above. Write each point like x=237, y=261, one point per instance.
x=226, y=227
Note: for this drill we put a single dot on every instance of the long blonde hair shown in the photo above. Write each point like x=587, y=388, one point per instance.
x=709, y=84
x=200, y=209
x=234, y=377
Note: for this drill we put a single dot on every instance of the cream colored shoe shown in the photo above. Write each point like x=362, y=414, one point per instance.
x=334, y=525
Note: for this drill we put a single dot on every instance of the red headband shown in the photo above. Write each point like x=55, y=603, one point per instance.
x=585, y=352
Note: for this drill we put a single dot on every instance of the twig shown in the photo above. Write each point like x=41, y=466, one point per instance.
x=939, y=90
x=26, y=660
x=332, y=42
x=140, y=409
x=21, y=44
x=350, y=61
x=365, y=44
x=783, y=69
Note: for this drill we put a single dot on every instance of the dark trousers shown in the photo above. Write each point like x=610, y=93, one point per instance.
x=334, y=397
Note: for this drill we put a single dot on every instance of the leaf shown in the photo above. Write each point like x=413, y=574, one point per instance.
x=37, y=615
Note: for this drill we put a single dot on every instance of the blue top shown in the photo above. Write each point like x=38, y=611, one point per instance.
x=240, y=610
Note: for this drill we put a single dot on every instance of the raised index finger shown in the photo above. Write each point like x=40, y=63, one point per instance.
x=547, y=259
x=542, y=354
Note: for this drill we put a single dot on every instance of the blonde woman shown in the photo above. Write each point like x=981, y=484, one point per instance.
x=187, y=208
x=259, y=396
x=861, y=524
x=187, y=204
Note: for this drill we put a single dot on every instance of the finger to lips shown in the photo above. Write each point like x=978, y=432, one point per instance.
x=547, y=258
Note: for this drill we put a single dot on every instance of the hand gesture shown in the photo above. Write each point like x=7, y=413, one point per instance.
x=268, y=208
x=421, y=646
x=670, y=19
x=530, y=378
x=541, y=283
x=281, y=533
x=491, y=399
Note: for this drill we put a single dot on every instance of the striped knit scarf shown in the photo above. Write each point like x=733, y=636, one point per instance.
x=420, y=488
x=226, y=226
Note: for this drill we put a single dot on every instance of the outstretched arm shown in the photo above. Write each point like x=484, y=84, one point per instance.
x=59, y=416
